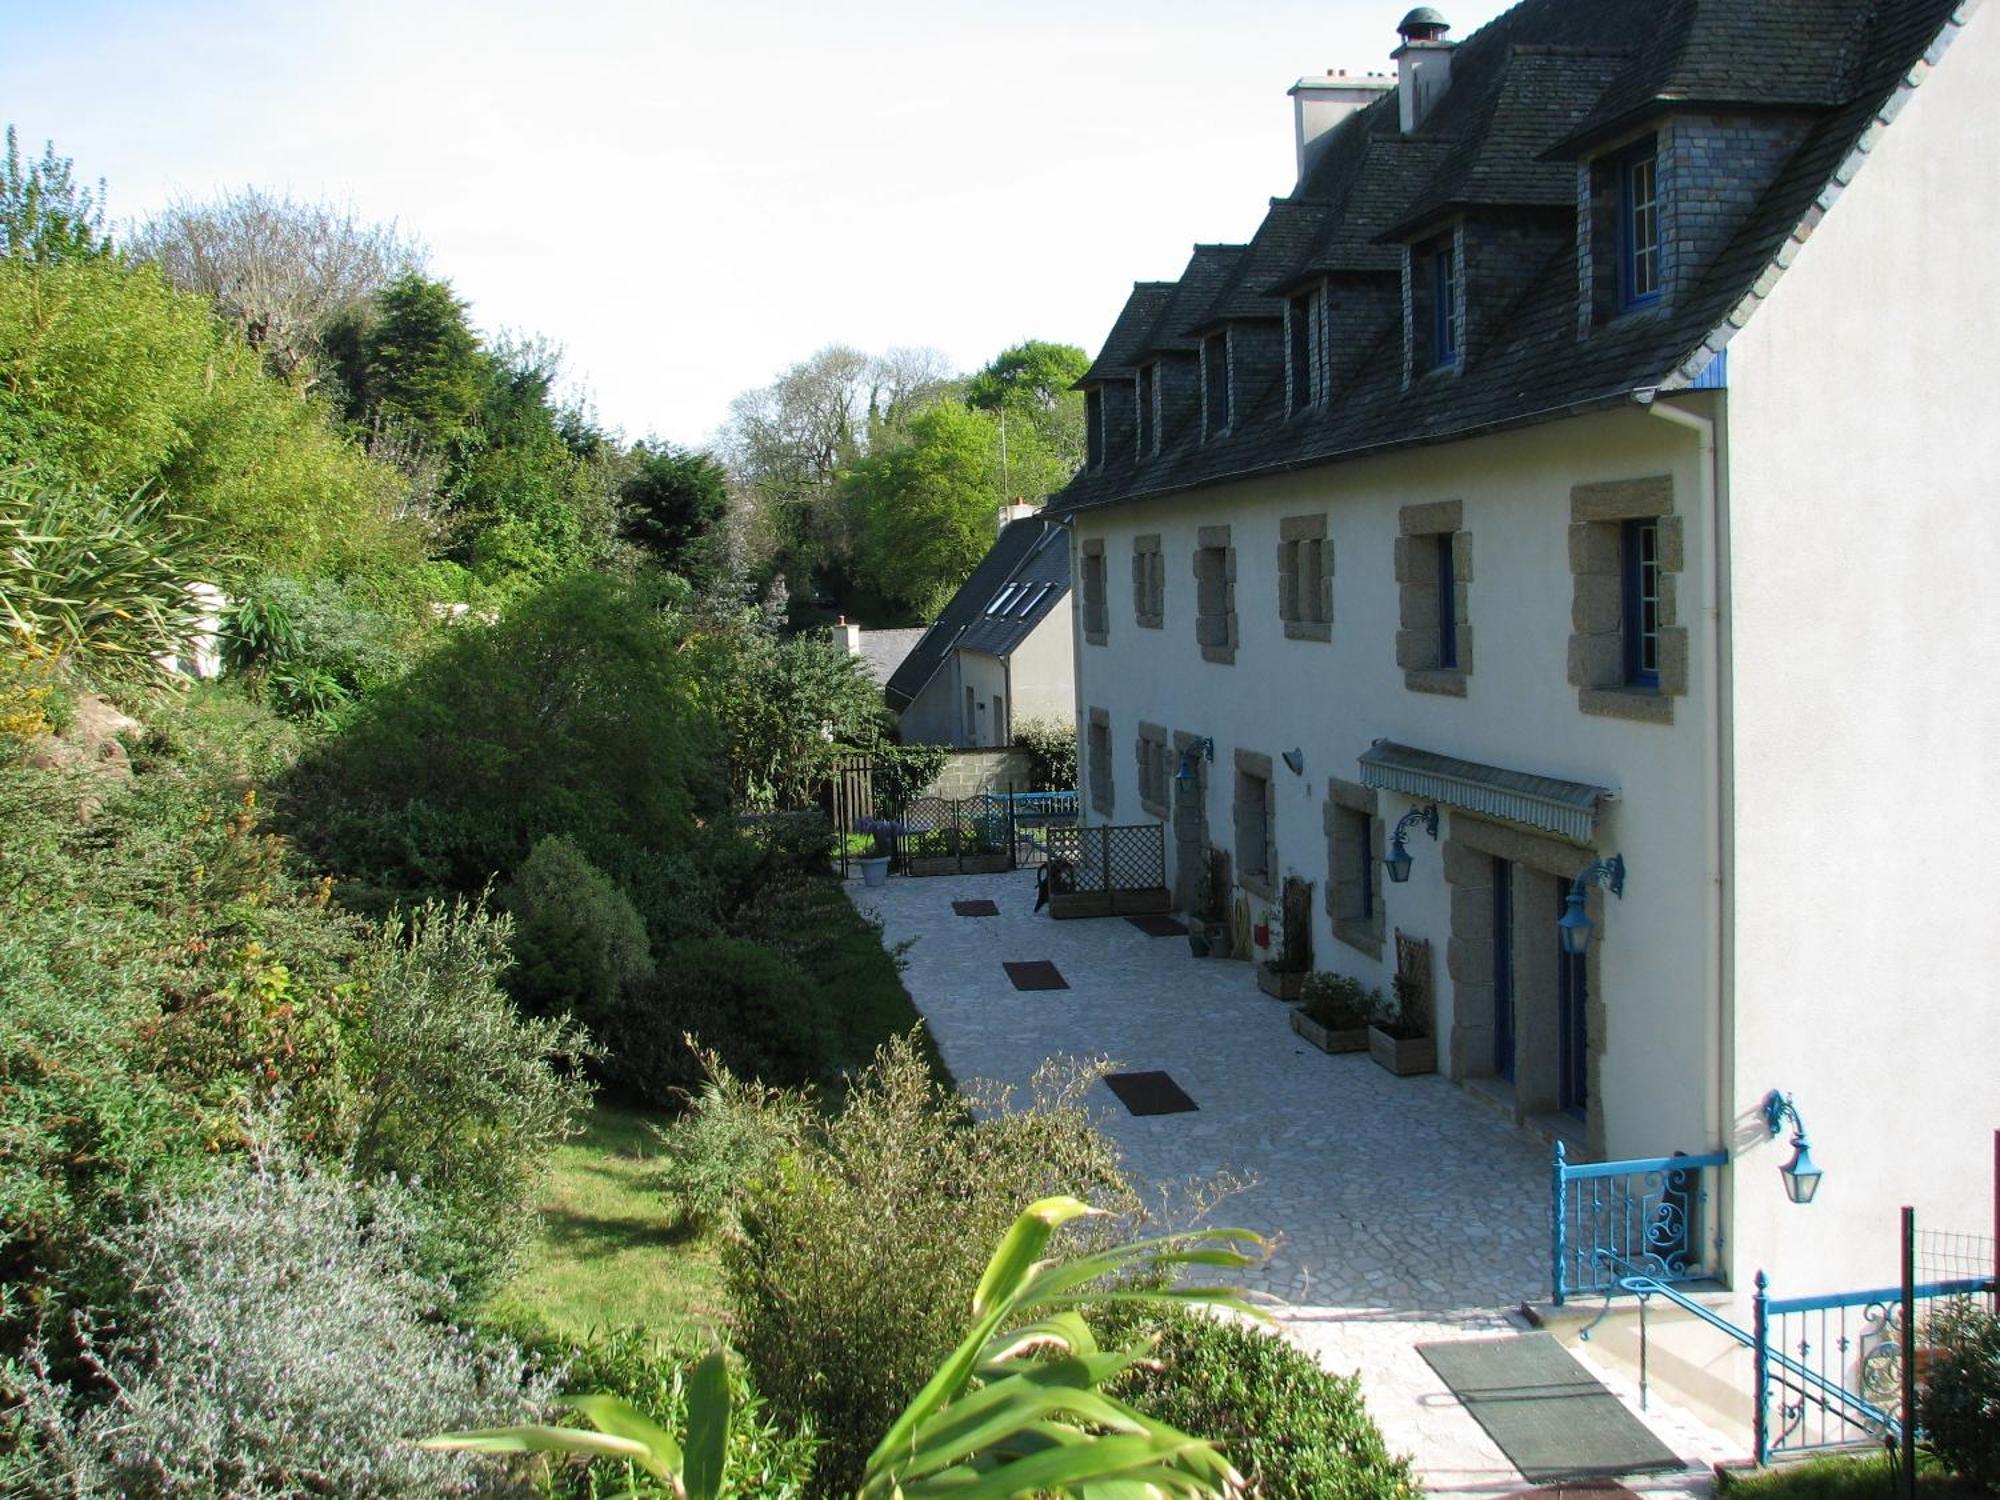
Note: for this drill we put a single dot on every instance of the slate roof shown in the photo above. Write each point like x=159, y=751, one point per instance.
x=882, y=651
x=1525, y=90
x=1019, y=543
x=1128, y=335
x=1032, y=590
x=1207, y=273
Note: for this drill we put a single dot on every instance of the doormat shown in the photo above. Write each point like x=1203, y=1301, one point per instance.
x=975, y=908
x=1038, y=975
x=1149, y=1093
x=1573, y=1489
x=1547, y=1413
x=1154, y=925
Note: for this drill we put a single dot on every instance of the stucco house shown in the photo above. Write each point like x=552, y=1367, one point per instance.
x=1000, y=652
x=1598, y=444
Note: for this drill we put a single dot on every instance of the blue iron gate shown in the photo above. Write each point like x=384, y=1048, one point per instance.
x=1652, y=1217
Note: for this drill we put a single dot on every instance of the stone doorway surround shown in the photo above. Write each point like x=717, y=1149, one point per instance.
x=1543, y=870
x=1190, y=820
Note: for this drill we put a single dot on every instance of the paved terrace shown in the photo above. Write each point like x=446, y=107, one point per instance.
x=1408, y=1211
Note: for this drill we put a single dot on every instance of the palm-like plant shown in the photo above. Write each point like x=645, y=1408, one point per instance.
x=1017, y=1409
x=102, y=578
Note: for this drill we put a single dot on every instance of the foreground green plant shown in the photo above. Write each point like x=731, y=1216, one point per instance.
x=1017, y=1408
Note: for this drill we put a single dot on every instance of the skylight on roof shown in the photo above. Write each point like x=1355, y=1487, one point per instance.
x=1030, y=600
x=1003, y=599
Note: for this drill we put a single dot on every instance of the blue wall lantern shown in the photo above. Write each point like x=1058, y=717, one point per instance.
x=1574, y=925
x=1203, y=747
x=1801, y=1173
x=1397, y=860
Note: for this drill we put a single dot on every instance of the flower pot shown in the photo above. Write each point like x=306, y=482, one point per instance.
x=1216, y=934
x=874, y=869
x=1280, y=984
x=1326, y=1038
x=1402, y=1055
x=1197, y=941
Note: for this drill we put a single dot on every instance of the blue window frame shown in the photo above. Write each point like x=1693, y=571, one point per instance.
x=1641, y=544
x=1640, y=259
x=1572, y=1025
x=1364, y=855
x=1447, y=595
x=1445, y=325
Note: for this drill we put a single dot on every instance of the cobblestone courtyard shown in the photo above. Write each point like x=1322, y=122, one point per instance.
x=1407, y=1210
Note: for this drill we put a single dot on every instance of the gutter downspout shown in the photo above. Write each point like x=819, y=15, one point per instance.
x=1718, y=734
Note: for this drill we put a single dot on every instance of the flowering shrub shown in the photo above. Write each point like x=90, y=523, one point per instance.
x=885, y=832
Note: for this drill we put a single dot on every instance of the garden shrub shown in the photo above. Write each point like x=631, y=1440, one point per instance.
x=578, y=941
x=1339, y=1002
x=455, y=1092
x=1051, y=747
x=854, y=1263
x=279, y=1344
x=733, y=1132
x=1295, y=1430
x=755, y=1009
x=309, y=646
x=1959, y=1405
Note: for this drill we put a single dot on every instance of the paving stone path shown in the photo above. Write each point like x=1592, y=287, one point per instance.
x=1407, y=1210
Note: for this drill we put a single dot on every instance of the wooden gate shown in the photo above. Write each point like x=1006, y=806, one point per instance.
x=850, y=797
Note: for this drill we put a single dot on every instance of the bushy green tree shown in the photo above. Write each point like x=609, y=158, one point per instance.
x=44, y=216
x=578, y=713
x=1032, y=380
x=578, y=940
x=675, y=500
x=421, y=360
x=785, y=702
x=927, y=506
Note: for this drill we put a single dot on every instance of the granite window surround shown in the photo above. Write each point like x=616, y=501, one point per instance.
x=1598, y=649
x=1355, y=843
x=1431, y=548
x=1097, y=748
x=1155, y=770
x=1305, y=578
x=1091, y=602
x=1149, y=582
x=1255, y=819
x=1215, y=595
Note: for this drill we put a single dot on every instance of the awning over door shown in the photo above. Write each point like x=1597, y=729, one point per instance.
x=1567, y=808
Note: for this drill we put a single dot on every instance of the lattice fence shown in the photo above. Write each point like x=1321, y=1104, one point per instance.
x=1108, y=870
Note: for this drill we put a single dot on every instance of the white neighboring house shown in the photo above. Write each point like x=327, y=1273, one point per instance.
x=1001, y=651
x=1598, y=443
x=881, y=651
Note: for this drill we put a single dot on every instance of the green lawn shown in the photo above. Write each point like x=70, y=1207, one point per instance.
x=604, y=1251
x=1838, y=1478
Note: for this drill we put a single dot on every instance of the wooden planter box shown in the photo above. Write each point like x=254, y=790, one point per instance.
x=1328, y=1040
x=1403, y=1056
x=1280, y=984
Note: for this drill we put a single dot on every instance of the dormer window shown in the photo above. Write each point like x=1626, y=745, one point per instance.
x=1446, y=322
x=1149, y=415
x=1305, y=321
x=1639, y=224
x=1093, y=428
x=1215, y=384
x=1436, y=329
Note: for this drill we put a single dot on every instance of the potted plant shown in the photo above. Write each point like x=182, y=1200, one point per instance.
x=1399, y=1038
x=885, y=832
x=1282, y=975
x=1334, y=1012
x=1208, y=929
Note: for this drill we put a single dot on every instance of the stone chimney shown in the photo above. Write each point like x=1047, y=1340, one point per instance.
x=1016, y=510
x=848, y=634
x=1423, y=65
x=1319, y=104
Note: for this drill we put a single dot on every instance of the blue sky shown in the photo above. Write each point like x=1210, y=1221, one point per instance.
x=690, y=197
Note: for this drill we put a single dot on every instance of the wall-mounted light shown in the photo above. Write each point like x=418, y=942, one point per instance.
x=1397, y=860
x=1295, y=761
x=1203, y=749
x=1801, y=1173
x=1575, y=924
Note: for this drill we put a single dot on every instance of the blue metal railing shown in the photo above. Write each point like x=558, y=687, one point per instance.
x=1617, y=1219
x=1834, y=1362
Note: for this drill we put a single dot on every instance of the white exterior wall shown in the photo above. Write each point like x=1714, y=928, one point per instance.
x=1044, y=670
x=1864, y=492
x=985, y=675
x=935, y=715
x=1659, y=1085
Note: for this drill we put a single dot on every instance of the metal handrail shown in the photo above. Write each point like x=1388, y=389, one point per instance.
x=1584, y=1171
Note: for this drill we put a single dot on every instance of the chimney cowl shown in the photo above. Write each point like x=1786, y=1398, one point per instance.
x=1423, y=24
